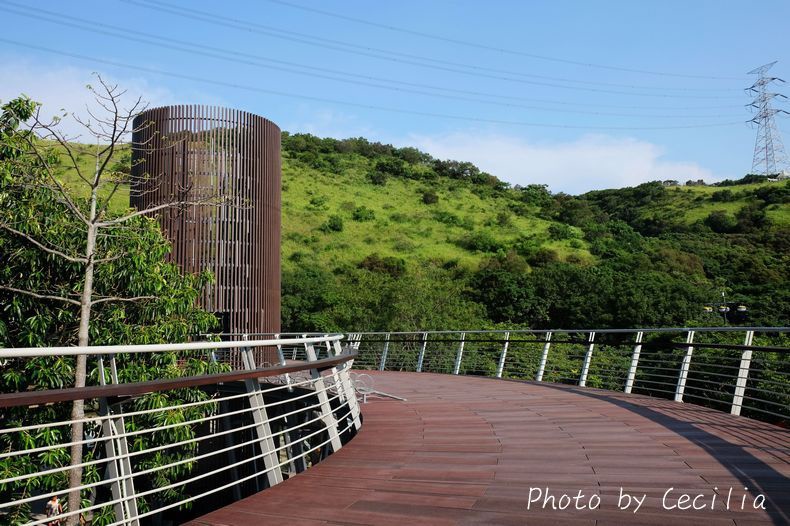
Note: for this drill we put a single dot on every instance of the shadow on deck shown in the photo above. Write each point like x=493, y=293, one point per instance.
x=468, y=450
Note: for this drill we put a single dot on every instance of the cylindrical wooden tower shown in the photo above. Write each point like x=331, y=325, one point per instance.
x=220, y=170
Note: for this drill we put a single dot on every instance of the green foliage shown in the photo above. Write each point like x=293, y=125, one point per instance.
x=430, y=197
x=363, y=213
x=649, y=232
x=559, y=231
x=481, y=241
x=135, y=266
x=333, y=224
x=395, y=267
x=720, y=222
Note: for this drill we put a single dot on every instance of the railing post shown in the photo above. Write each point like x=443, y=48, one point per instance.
x=459, y=355
x=684, y=368
x=629, y=381
x=544, y=358
x=587, y=359
x=421, y=357
x=502, y=357
x=117, y=451
x=281, y=357
x=348, y=387
x=327, y=415
x=743, y=375
x=383, y=361
x=266, y=440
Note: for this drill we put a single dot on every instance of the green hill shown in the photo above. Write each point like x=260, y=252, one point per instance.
x=379, y=237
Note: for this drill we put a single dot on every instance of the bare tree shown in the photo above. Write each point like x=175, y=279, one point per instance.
x=108, y=127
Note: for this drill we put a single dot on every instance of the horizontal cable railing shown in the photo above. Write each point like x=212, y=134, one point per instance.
x=742, y=370
x=219, y=427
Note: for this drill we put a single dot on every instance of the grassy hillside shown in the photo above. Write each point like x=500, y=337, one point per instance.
x=380, y=237
x=393, y=220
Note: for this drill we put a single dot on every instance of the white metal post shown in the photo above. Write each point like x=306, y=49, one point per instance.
x=327, y=415
x=383, y=361
x=459, y=355
x=117, y=451
x=587, y=359
x=348, y=388
x=502, y=357
x=743, y=375
x=543, y=358
x=421, y=357
x=629, y=381
x=270, y=459
x=684, y=367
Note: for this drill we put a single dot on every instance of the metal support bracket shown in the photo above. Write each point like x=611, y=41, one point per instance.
x=684, y=368
x=421, y=357
x=629, y=381
x=544, y=357
x=587, y=360
x=383, y=361
x=263, y=428
x=503, y=356
x=743, y=375
x=117, y=450
x=327, y=416
x=460, y=354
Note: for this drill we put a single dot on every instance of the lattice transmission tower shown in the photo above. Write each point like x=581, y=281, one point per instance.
x=769, y=151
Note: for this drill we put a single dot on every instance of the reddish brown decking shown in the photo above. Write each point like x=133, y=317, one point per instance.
x=465, y=450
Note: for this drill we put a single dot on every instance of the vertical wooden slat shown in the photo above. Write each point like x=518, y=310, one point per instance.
x=236, y=154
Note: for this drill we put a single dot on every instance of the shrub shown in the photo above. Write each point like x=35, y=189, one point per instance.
x=318, y=203
x=559, y=231
x=503, y=218
x=481, y=241
x=363, y=213
x=543, y=257
x=720, y=222
x=333, y=224
x=393, y=266
x=378, y=178
x=723, y=196
x=430, y=197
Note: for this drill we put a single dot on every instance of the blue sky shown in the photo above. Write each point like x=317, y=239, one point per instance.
x=574, y=94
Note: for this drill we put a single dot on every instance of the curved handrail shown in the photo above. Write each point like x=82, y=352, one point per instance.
x=241, y=434
x=732, y=368
x=32, y=352
x=25, y=398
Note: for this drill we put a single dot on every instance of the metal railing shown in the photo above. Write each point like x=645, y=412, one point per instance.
x=742, y=370
x=156, y=449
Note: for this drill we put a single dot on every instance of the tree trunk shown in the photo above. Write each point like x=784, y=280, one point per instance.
x=80, y=375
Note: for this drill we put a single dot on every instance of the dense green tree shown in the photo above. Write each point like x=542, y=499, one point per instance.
x=74, y=273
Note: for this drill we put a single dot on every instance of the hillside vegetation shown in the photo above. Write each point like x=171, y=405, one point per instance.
x=377, y=237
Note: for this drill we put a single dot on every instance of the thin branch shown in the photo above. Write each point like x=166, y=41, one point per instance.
x=40, y=296
x=117, y=298
x=42, y=246
x=170, y=204
x=71, y=205
x=108, y=259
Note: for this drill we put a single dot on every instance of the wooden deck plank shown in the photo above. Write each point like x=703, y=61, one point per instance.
x=466, y=450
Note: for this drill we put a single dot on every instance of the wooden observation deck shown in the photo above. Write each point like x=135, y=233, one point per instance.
x=471, y=450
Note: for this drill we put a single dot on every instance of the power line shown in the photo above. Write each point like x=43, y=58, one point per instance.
x=256, y=89
x=491, y=48
x=155, y=40
x=443, y=65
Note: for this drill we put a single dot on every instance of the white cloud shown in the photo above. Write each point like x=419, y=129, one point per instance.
x=588, y=163
x=324, y=122
x=60, y=88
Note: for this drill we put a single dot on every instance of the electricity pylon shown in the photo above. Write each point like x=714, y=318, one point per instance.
x=769, y=151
